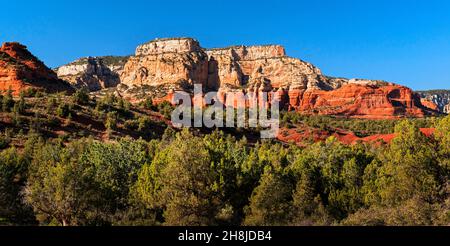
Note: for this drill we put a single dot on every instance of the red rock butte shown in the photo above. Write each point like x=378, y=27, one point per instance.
x=181, y=62
x=163, y=66
x=20, y=70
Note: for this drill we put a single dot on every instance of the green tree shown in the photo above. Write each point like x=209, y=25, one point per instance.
x=63, y=110
x=81, y=96
x=338, y=171
x=56, y=187
x=271, y=201
x=165, y=108
x=111, y=121
x=409, y=167
x=7, y=101
x=182, y=183
x=443, y=136
x=307, y=207
x=405, y=186
x=13, y=175
x=86, y=182
x=20, y=106
x=113, y=168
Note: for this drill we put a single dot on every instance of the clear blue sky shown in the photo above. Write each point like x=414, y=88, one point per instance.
x=402, y=41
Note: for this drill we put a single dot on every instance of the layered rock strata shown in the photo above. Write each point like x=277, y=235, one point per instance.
x=178, y=64
x=20, y=70
x=94, y=73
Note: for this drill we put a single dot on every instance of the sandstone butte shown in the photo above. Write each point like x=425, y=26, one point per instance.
x=20, y=70
x=168, y=65
x=163, y=66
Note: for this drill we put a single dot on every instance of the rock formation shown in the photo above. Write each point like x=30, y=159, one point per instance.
x=177, y=64
x=94, y=73
x=441, y=98
x=251, y=66
x=429, y=104
x=363, y=101
x=20, y=70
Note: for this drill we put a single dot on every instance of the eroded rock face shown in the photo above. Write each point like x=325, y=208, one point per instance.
x=174, y=45
x=20, y=70
x=240, y=65
x=362, y=101
x=177, y=64
x=94, y=73
x=429, y=104
x=441, y=98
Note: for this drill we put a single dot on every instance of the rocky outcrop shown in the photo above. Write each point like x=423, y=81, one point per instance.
x=20, y=70
x=429, y=104
x=168, y=45
x=177, y=64
x=363, y=101
x=249, y=66
x=441, y=98
x=94, y=73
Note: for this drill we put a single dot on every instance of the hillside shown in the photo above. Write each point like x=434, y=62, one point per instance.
x=22, y=71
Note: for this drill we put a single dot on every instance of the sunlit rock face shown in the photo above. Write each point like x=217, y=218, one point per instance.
x=441, y=98
x=20, y=70
x=177, y=64
x=94, y=73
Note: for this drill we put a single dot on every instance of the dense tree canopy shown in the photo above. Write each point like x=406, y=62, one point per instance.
x=186, y=178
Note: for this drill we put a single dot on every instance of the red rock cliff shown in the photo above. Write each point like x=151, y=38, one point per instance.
x=20, y=70
x=173, y=63
x=178, y=62
x=362, y=101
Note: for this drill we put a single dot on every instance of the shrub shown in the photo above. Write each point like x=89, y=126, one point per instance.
x=111, y=121
x=5, y=140
x=81, y=96
x=7, y=101
x=131, y=124
x=63, y=110
x=165, y=108
x=144, y=123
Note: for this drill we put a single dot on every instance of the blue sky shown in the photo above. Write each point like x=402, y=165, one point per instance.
x=402, y=41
